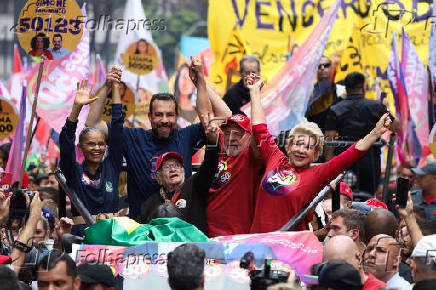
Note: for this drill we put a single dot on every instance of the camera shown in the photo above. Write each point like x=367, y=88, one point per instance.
x=261, y=279
x=18, y=209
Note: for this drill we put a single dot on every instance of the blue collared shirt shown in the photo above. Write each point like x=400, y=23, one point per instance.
x=60, y=53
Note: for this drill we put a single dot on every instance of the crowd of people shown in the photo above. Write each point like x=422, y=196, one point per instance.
x=246, y=184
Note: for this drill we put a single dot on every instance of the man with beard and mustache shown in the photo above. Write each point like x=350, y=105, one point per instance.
x=230, y=205
x=140, y=146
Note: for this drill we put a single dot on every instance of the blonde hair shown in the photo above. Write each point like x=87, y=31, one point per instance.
x=311, y=129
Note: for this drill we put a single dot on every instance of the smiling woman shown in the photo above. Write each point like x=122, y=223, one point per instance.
x=95, y=181
x=289, y=183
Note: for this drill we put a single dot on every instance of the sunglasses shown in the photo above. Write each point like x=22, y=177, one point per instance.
x=324, y=65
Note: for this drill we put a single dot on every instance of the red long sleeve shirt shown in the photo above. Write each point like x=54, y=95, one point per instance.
x=284, y=190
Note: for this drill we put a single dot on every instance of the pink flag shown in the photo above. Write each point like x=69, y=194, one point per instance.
x=99, y=75
x=299, y=249
x=287, y=95
x=16, y=154
x=396, y=80
x=415, y=78
x=59, y=83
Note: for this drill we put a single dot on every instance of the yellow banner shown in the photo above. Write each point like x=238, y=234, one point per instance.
x=224, y=72
x=269, y=26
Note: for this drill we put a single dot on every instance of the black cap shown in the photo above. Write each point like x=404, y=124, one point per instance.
x=96, y=272
x=340, y=275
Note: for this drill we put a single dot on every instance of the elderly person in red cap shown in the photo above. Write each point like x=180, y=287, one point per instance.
x=230, y=205
x=188, y=197
x=289, y=182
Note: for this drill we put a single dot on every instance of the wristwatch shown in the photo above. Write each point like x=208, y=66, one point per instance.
x=22, y=247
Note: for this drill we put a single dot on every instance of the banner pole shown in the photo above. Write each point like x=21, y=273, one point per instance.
x=29, y=130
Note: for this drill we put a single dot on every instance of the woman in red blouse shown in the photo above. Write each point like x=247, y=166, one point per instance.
x=40, y=44
x=289, y=183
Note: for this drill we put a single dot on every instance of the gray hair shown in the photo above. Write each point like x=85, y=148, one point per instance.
x=86, y=130
x=186, y=257
x=249, y=58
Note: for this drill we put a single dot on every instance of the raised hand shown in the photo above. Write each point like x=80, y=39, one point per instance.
x=4, y=207
x=83, y=94
x=114, y=75
x=196, y=70
x=253, y=82
x=63, y=226
x=35, y=206
x=382, y=125
x=211, y=129
x=406, y=211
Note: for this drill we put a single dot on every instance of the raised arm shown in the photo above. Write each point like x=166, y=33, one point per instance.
x=207, y=100
x=220, y=107
x=255, y=84
x=96, y=110
x=81, y=99
x=68, y=134
x=409, y=217
x=27, y=232
x=380, y=128
x=206, y=174
x=116, y=133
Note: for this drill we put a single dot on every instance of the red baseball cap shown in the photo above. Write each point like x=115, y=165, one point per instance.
x=5, y=259
x=165, y=156
x=240, y=120
x=375, y=203
x=346, y=190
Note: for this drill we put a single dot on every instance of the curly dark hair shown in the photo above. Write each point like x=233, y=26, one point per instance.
x=44, y=37
x=137, y=46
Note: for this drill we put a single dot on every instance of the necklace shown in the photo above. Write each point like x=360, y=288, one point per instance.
x=164, y=195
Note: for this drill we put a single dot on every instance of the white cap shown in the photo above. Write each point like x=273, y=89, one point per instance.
x=426, y=247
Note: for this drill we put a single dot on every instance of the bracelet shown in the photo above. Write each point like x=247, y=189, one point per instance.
x=22, y=247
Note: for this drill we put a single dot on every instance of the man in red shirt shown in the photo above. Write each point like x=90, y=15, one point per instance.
x=230, y=205
x=342, y=248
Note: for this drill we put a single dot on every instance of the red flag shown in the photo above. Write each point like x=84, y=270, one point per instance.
x=42, y=132
x=17, y=61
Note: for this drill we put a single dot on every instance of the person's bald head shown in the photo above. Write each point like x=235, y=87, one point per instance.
x=380, y=221
x=342, y=248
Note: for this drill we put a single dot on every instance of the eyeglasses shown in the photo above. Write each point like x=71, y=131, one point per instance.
x=167, y=167
x=324, y=65
x=93, y=144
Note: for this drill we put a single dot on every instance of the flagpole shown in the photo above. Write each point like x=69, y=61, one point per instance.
x=34, y=130
x=29, y=130
x=431, y=116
